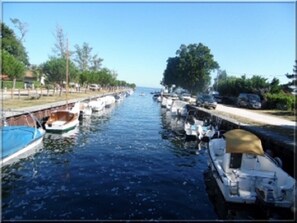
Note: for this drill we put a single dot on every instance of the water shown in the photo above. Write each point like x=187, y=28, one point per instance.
x=129, y=163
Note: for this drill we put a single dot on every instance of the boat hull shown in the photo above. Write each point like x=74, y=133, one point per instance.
x=11, y=155
x=250, y=178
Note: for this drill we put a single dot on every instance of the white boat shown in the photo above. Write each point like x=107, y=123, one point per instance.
x=130, y=92
x=119, y=97
x=191, y=126
x=85, y=109
x=206, y=131
x=109, y=100
x=19, y=141
x=163, y=101
x=179, y=108
x=245, y=174
x=97, y=105
x=61, y=121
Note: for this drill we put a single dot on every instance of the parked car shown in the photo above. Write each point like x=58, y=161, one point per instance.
x=94, y=87
x=249, y=101
x=217, y=96
x=206, y=101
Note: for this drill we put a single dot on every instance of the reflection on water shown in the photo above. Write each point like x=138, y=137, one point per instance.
x=129, y=162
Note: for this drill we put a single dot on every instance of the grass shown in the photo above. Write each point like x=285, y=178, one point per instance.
x=26, y=101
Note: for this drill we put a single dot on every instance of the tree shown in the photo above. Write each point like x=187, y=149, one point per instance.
x=12, y=67
x=55, y=69
x=275, y=86
x=60, y=47
x=221, y=75
x=12, y=45
x=191, y=68
x=84, y=58
x=292, y=84
x=171, y=73
x=21, y=26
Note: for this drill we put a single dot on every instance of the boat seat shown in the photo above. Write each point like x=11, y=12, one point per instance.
x=59, y=123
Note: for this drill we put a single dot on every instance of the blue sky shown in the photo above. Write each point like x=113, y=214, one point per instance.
x=135, y=39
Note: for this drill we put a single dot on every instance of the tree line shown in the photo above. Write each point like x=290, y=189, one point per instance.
x=191, y=70
x=84, y=67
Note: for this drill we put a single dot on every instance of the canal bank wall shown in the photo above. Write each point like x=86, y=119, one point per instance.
x=273, y=143
x=42, y=112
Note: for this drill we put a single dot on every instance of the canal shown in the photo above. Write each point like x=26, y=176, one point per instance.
x=129, y=162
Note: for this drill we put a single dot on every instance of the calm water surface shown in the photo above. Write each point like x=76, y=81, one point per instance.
x=126, y=163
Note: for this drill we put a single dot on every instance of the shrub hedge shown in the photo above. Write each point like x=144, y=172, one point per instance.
x=18, y=84
x=280, y=100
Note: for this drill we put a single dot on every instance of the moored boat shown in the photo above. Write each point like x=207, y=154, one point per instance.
x=245, y=174
x=97, y=105
x=109, y=100
x=179, y=108
x=63, y=120
x=85, y=109
x=18, y=141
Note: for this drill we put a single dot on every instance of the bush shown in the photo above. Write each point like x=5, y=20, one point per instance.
x=18, y=84
x=280, y=101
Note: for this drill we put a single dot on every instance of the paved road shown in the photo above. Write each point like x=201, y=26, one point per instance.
x=250, y=114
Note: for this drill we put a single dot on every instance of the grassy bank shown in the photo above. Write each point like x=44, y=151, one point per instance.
x=25, y=102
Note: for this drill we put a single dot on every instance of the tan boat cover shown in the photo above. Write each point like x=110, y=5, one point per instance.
x=241, y=141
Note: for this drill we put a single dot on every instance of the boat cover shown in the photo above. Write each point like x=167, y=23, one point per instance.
x=241, y=141
x=15, y=138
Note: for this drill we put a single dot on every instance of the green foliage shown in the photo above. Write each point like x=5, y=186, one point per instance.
x=12, y=45
x=55, y=69
x=233, y=86
x=280, y=100
x=191, y=68
x=18, y=85
x=11, y=66
x=84, y=58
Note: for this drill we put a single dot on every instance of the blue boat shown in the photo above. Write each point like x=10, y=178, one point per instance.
x=19, y=141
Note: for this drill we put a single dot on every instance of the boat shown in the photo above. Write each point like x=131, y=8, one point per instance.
x=179, y=108
x=206, y=131
x=85, y=109
x=109, y=100
x=97, y=105
x=191, y=126
x=119, y=97
x=245, y=174
x=19, y=141
x=61, y=121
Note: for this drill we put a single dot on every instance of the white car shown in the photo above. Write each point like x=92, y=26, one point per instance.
x=94, y=87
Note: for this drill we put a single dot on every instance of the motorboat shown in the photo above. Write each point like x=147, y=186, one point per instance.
x=245, y=174
x=119, y=97
x=19, y=141
x=207, y=130
x=97, y=105
x=63, y=120
x=109, y=100
x=85, y=109
x=191, y=125
x=179, y=108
